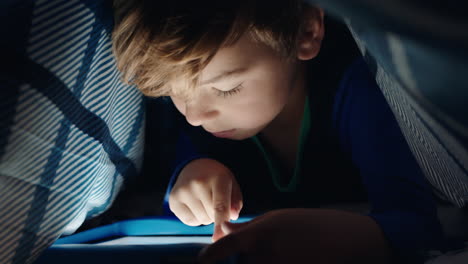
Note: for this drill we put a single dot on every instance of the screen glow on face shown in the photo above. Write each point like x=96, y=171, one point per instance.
x=157, y=240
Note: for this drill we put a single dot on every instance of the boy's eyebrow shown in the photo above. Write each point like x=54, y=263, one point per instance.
x=224, y=75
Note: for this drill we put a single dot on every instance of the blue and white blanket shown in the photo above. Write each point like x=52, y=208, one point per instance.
x=71, y=132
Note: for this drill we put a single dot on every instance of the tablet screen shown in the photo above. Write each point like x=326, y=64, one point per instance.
x=157, y=240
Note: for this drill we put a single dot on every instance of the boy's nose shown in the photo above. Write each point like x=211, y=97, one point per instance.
x=198, y=114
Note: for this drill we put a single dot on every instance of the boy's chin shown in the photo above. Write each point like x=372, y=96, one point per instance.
x=237, y=136
x=242, y=136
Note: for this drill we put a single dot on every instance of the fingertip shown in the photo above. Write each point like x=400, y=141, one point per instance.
x=234, y=214
x=215, y=237
x=218, y=233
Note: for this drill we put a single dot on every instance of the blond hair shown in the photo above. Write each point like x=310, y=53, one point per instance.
x=158, y=41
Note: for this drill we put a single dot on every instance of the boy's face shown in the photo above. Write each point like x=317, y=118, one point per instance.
x=245, y=86
x=242, y=89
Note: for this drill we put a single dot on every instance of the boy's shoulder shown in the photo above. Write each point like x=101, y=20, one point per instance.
x=357, y=85
x=358, y=98
x=358, y=75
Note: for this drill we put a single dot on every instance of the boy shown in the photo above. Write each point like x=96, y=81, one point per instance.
x=238, y=70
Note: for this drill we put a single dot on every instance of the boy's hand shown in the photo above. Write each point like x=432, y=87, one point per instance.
x=206, y=192
x=301, y=236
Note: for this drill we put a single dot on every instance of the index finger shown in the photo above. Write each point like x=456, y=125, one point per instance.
x=222, y=191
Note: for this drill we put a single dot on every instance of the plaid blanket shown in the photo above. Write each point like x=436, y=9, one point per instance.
x=70, y=132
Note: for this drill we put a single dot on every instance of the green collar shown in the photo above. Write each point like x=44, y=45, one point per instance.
x=274, y=170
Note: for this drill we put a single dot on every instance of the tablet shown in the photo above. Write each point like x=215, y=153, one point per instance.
x=145, y=231
x=152, y=240
x=157, y=240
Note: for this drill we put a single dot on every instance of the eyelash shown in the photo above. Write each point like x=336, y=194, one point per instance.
x=229, y=93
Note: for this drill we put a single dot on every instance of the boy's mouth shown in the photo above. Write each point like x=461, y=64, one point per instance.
x=224, y=134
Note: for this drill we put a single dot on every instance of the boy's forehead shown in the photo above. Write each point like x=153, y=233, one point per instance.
x=225, y=62
x=229, y=61
x=224, y=75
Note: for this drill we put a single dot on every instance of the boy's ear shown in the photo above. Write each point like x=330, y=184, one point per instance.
x=311, y=35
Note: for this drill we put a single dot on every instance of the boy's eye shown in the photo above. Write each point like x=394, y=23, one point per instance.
x=230, y=92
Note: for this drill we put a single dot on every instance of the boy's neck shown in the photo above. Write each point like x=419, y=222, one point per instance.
x=282, y=135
